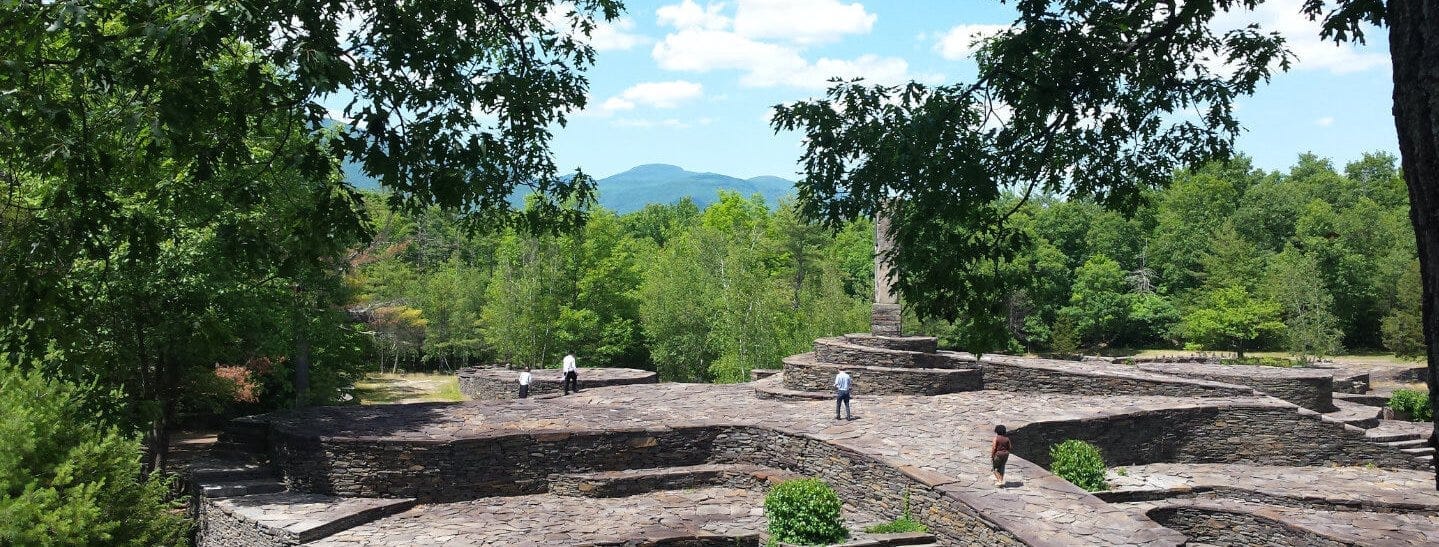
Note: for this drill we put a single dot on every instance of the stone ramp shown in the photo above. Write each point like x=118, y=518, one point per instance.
x=1355, y=414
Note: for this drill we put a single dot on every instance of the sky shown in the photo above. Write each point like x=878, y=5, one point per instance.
x=692, y=82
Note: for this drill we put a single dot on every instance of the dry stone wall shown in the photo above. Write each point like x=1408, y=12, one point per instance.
x=1042, y=376
x=1263, y=435
x=1215, y=527
x=1308, y=388
x=220, y=528
x=802, y=373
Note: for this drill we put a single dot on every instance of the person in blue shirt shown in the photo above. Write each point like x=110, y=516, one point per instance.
x=841, y=394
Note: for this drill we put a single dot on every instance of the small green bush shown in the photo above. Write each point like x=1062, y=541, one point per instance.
x=1078, y=462
x=804, y=511
x=1413, y=403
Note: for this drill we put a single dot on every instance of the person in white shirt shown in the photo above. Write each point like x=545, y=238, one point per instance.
x=841, y=394
x=525, y=379
x=572, y=373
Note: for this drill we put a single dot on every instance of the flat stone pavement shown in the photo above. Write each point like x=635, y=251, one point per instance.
x=942, y=440
x=544, y=519
x=1350, y=527
x=1392, y=489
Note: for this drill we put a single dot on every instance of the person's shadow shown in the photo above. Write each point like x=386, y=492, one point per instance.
x=1012, y=484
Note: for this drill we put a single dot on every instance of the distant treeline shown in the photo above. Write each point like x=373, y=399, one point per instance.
x=1228, y=257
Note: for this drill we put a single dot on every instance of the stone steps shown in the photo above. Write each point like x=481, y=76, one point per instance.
x=772, y=387
x=922, y=344
x=288, y=518
x=840, y=351
x=245, y=487
x=629, y=482
x=1367, y=399
x=1355, y=414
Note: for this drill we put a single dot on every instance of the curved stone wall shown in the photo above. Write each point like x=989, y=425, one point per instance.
x=1310, y=388
x=497, y=383
x=804, y=373
x=923, y=344
x=1255, y=433
x=1212, y=525
x=841, y=352
x=521, y=463
x=1021, y=374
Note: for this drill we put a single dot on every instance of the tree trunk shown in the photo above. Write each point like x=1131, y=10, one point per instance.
x=302, y=365
x=1414, y=49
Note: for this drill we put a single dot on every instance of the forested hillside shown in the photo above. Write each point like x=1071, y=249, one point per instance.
x=1228, y=257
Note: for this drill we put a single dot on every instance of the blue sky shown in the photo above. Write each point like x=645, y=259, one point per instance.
x=691, y=83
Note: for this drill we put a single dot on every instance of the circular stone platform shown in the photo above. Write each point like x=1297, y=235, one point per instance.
x=495, y=383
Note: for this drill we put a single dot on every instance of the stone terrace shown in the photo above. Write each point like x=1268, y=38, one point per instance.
x=939, y=442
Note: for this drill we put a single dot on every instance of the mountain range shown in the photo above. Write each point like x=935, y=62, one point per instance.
x=652, y=183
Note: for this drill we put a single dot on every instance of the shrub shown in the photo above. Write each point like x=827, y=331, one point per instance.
x=66, y=480
x=804, y=511
x=1413, y=403
x=1078, y=462
x=1262, y=362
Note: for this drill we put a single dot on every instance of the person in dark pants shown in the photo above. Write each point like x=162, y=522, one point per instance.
x=999, y=453
x=525, y=379
x=841, y=394
x=572, y=374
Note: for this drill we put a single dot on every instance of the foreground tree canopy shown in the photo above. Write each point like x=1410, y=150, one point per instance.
x=172, y=197
x=1084, y=98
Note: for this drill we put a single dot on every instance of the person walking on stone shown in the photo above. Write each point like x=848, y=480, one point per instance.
x=999, y=453
x=525, y=379
x=841, y=394
x=572, y=373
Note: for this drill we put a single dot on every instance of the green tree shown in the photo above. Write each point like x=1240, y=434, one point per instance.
x=66, y=480
x=1403, y=327
x=1231, y=318
x=1098, y=306
x=1295, y=282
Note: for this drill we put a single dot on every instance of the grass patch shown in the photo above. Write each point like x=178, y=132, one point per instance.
x=1280, y=362
x=380, y=388
x=898, y=526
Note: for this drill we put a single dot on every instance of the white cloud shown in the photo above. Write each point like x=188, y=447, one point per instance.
x=654, y=94
x=671, y=123
x=1325, y=121
x=959, y=42
x=1302, y=37
x=705, y=40
x=689, y=15
x=616, y=36
x=801, y=21
x=703, y=50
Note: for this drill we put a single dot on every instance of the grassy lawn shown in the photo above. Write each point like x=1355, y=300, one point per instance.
x=408, y=387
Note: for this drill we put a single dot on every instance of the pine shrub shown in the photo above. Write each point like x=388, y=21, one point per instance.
x=1078, y=462
x=804, y=511
x=1413, y=403
x=64, y=480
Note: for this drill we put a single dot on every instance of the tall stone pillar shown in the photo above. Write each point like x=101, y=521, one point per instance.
x=885, y=314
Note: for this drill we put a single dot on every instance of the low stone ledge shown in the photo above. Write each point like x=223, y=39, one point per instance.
x=1309, y=388
x=499, y=383
x=804, y=373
